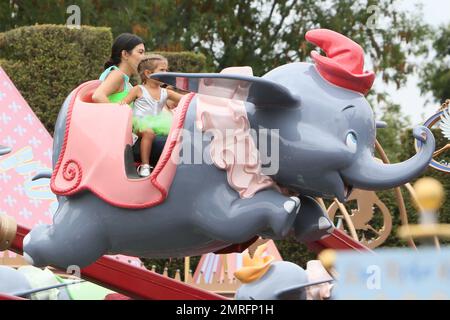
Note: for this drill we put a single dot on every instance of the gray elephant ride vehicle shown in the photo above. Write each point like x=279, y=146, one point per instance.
x=315, y=117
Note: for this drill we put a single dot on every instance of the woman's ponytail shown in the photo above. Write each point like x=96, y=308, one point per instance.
x=109, y=63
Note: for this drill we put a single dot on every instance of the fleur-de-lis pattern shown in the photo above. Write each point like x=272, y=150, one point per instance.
x=20, y=130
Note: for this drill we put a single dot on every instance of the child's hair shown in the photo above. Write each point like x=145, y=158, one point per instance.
x=150, y=62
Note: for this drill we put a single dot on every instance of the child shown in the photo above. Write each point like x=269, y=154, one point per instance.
x=150, y=118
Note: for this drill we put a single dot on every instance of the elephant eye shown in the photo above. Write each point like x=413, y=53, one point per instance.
x=351, y=142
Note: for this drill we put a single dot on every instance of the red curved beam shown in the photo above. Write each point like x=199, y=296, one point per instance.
x=138, y=283
x=337, y=240
x=4, y=296
x=130, y=280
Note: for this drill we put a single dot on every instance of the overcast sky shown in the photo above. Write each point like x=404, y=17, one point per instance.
x=436, y=12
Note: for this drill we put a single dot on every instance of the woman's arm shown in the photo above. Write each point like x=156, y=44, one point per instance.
x=132, y=95
x=111, y=85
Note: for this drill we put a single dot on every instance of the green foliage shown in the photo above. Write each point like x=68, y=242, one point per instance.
x=15, y=13
x=390, y=137
x=436, y=73
x=188, y=62
x=262, y=34
x=47, y=62
x=295, y=252
x=172, y=265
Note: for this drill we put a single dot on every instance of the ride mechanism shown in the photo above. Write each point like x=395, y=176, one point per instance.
x=137, y=283
x=220, y=100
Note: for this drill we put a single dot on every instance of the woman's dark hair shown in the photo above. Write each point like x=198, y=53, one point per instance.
x=125, y=41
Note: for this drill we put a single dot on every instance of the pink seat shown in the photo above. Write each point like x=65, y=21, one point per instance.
x=92, y=155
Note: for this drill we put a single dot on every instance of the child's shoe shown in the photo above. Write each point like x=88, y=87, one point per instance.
x=144, y=170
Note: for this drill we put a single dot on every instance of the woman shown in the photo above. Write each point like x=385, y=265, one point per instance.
x=127, y=51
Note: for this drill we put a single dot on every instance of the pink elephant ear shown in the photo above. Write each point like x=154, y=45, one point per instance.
x=343, y=64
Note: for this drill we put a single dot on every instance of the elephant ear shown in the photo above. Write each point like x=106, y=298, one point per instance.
x=296, y=290
x=262, y=93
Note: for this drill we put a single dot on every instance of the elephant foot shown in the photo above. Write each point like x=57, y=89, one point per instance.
x=281, y=227
x=312, y=222
x=32, y=252
x=8, y=229
x=46, y=245
x=267, y=211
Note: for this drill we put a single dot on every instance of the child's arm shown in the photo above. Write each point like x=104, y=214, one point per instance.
x=173, y=96
x=132, y=95
x=171, y=104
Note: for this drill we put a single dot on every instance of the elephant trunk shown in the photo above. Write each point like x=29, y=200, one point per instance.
x=369, y=174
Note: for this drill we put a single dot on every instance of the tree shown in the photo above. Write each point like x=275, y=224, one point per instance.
x=263, y=34
x=436, y=73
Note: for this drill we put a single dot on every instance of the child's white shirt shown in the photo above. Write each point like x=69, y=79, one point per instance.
x=147, y=105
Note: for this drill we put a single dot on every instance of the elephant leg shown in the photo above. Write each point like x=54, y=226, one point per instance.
x=245, y=218
x=312, y=222
x=74, y=239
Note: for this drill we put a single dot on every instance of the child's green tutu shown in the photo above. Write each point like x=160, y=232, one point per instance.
x=160, y=124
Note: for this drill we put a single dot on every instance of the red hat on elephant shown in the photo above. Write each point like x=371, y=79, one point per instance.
x=343, y=64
